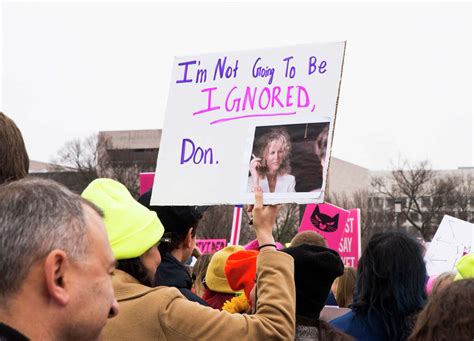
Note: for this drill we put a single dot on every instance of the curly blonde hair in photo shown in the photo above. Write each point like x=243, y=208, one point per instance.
x=263, y=144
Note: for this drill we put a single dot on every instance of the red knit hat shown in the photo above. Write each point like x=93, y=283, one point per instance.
x=241, y=269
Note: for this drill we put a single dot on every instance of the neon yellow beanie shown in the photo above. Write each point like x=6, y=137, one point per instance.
x=465, y=267
x=132, y=228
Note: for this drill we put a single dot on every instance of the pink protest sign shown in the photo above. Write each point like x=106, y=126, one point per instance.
x=326, y=219
x=210, y=245
x=338, y=226
x=146, y=182
x=349, y=244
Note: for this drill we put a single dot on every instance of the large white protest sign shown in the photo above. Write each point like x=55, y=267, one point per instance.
x=238, y=120
x=453, y=239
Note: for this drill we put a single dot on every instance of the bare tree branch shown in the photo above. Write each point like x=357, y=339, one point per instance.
x=428, y=196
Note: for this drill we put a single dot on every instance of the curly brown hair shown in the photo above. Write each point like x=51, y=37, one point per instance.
x=442, y=281
x=263, y=144
x=14, y=161
x=448, y=314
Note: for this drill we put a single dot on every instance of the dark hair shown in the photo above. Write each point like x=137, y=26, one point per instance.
x=14, y=161
x=177, y=220
x=448, y=314
x=172, y=240
x=390, y=283
x=135, y=268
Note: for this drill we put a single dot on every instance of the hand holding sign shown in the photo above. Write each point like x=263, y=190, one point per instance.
x=263, y=219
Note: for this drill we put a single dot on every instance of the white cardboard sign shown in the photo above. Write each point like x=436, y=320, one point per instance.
x=239, y=119
x=453, y=239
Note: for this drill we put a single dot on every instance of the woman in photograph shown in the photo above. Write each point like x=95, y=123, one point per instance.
x=270, y=164
x=321, y=144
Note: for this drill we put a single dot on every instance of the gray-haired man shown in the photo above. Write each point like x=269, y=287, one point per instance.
x=55, y=262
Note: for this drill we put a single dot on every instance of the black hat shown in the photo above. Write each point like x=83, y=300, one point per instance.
x=316, y=267
x=175, y=219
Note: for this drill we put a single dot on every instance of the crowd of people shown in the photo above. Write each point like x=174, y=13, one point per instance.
x=102, y=264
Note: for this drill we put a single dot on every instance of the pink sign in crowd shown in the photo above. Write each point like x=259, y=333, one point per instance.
x=339, y=227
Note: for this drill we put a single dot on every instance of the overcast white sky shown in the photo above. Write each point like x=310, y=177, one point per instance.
x=72, y=69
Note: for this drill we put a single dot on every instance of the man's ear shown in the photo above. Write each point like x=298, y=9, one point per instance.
x=57, y=268
x=189, y=238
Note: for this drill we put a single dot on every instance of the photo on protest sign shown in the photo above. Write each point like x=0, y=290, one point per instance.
x=288, y=158
x=216, y=104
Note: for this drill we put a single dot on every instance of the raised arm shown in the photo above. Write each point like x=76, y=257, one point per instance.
x=275, y=309
x=264, y=218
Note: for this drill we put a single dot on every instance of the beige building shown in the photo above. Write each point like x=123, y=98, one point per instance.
x=346, y=178
x=40, y=167
x=138, y=147
x=132, y=139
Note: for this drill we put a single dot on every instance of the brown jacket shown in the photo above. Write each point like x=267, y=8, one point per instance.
x=162, y=313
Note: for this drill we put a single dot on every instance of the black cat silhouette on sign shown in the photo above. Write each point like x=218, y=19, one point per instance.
x=323, y=221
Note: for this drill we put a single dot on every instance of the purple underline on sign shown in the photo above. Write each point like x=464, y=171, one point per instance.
x=252, y=115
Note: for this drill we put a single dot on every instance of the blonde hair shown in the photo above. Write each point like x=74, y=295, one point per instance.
x=263, y=144
x=345, y=285
x=199, y=273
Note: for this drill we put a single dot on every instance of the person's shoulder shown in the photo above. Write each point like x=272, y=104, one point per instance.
x=167, y=292
x=357, y=327
x=160, y=297
x=128, y=288
x=191, y=296
x=343, y=321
